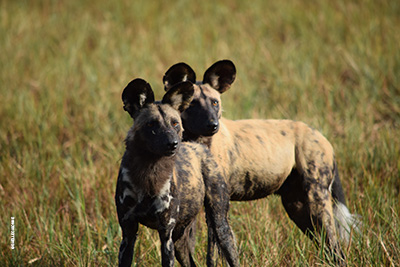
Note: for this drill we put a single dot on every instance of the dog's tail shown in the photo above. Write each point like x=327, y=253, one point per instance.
x=345, y=221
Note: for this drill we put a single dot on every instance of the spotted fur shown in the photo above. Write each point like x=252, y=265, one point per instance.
x=163, y=183
x=264, y=157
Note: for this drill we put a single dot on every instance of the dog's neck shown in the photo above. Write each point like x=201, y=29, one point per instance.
x=148, y=171
x=190, y=137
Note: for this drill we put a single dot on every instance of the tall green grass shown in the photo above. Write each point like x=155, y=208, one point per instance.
x=63, y=65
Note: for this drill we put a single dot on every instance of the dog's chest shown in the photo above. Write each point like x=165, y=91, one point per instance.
x=144, y=208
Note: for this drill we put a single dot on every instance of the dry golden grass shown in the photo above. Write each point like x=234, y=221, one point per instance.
x=334, y=65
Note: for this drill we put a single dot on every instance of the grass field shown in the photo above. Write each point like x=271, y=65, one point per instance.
x=63, y=64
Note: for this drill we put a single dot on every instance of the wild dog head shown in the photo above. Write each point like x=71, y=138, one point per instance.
x=157, y=126
x=202, y=116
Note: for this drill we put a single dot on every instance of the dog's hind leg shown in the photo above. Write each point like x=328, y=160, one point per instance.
x=321, y=211
x=309, y=204
x=295, y=202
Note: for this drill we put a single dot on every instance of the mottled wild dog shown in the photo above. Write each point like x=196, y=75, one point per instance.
x=163, y=183
x=263, y=157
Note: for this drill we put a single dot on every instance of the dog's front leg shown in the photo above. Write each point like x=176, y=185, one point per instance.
x=216, y=204
x=129, y=234
x=217, y=219
x=212, y=244
x=167, y=247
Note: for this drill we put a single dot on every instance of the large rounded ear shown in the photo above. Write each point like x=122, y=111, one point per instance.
x=180, y=72
x=136, y=95
x=220, y=75
x=179, y=96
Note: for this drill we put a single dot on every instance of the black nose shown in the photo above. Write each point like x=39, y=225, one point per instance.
x=173, y=145
x=213, y=125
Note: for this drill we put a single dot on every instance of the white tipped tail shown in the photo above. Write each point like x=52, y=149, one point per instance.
x=345, y=221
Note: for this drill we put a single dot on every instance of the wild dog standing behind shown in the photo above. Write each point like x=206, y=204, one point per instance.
x=163, y=183
x=263, y=157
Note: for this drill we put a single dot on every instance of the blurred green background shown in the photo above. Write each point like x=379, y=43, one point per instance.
x=63, y=64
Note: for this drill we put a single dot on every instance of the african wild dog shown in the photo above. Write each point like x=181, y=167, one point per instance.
x=163, y=183
x=263, y=157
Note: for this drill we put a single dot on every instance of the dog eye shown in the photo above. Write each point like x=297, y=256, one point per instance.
x=214, y=103
x=150, y=124
x=174, y=123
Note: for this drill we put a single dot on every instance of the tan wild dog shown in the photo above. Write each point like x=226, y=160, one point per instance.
x=263, y=157
x=163, y=183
